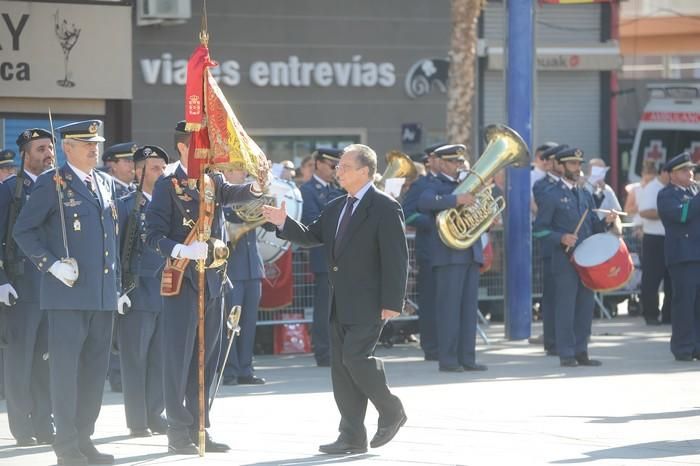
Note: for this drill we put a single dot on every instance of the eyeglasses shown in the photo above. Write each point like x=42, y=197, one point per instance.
x=344, y=167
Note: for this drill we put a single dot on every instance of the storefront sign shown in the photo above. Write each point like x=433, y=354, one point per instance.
x=606, y=57
x=65, y=50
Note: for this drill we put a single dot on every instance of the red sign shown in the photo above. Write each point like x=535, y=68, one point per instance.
x=672, y=117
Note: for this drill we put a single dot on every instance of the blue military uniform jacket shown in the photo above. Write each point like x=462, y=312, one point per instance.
x=538, y=188
x=146, y=263
x=245, y=261
x=91, y=232
x=316, y=197
x=559, y=210
x=122, y=190
x=166, y=226
x=424, y=223
x=436, y=198
x=679, y=210
x=27, y=284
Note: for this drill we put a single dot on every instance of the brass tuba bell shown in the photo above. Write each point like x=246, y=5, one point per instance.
x=461, y=226
x=398, y=165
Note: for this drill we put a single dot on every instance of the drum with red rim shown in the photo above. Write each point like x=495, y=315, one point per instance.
x=603, y=262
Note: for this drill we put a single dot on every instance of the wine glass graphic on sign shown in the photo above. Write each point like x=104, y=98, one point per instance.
x=67, y=38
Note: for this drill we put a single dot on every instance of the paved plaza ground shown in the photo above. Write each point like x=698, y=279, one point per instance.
x=640, y=407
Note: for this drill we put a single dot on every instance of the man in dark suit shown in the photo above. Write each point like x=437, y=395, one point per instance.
x=364, y=240
x=679, y=209
x=80, y=296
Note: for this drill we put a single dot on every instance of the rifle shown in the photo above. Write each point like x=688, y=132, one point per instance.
x=14, y=267
x=131, y=237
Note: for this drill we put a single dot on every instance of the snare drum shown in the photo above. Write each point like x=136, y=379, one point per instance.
x=603, y=262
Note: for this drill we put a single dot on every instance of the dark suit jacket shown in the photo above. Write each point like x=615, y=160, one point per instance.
x=371, y=269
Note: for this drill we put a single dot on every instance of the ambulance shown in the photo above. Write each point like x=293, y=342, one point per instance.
x=670, y=124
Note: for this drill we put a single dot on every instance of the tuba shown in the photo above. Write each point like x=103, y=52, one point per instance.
x=399, y=165
x=461, y=226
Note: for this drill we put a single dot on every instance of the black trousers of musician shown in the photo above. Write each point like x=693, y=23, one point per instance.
x=245, y=293
x=548, y=306
x=141, y=352
x=27, y=372
x=653, y=271
x=574, y=307
x=358, y=377
x=457, y=288
x=319, y=327
x=180, y=362
x=79, y=344
x=685, y=318
x=425, y=285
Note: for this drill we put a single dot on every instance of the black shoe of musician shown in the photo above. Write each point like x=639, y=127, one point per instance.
x=342, y=447
x=94, y=456
x=140, y=433
x=26, y=442
x=209, y=444
x=46, y=439
x=250, y=380
x=451, y=369
x=386, y=433
x=568, y=362
x=584, y=360
x=72, y=457
x=475, y=367
x=182, y=447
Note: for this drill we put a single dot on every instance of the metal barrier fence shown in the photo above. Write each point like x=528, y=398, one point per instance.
x=491, y=284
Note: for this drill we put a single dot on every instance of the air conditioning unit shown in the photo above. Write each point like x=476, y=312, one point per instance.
x=162, y=11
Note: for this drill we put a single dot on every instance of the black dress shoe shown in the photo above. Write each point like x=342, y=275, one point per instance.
x=386, y=433
x=323, y=363
x=451, y=369
x=94, y=456
x=568, y=362
x=140, y=433
x=232, y=380
x=251, y=380
x=584, y=360
x=45, y=439
x=210, y=444
x=26, y=442
x=341, y=447
x=474, y=367
x=552, y=352
x=183, y=447
x=431, y=357
x=159, y=427
x=684, y=357
x=72, y=457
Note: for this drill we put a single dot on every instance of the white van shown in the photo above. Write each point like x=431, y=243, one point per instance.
x=669, y=125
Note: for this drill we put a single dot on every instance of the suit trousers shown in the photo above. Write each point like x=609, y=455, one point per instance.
x=27, y=378
x=425, y=284
x=653, y=271
x=141, y=352
x=574, y=307
x=180, y=362
x=685, y=309
x=357, y=377
x=457, y=288
x=79, y=344
x=245, y=293
x=320, y=327
x=548, y=307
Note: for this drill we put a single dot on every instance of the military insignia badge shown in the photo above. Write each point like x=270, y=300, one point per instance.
x=92, y=128
x=72, y=203
x=184, y=197
x=76, y=225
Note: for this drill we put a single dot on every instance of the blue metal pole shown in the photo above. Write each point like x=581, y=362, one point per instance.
x=518, y=230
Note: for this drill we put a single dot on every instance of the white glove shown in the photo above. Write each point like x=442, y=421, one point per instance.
x=194, y=251
x=6, y=291
x=123, y=299
x=64, y=272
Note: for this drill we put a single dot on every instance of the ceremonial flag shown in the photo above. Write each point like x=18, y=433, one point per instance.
x=278, y=284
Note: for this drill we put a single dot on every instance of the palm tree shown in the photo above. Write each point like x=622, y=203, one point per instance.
x=460, y=92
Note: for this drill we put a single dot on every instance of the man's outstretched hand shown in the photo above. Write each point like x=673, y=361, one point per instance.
x=276, y=215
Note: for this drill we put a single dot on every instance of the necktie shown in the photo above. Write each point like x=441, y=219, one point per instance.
x=343, y=226
x=90, y=187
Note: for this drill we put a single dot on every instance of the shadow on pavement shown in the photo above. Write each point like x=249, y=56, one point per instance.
x=640, y=451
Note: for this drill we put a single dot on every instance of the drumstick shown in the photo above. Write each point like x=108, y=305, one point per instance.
x=578, y=227
x=611, y=211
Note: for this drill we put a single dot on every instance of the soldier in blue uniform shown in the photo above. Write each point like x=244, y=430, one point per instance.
x=560, y=207
x=548, y=314
x=316, y=194
x=171, y=215
x=456, y=271
x=140, y=333
x=119, y=162
x=424, y=224
x=245, y=270
x=8, y=166
x=27, y=371
x=679, y=210
x=79, y=299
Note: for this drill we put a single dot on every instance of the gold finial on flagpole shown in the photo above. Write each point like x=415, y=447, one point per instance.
x=204, y=32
